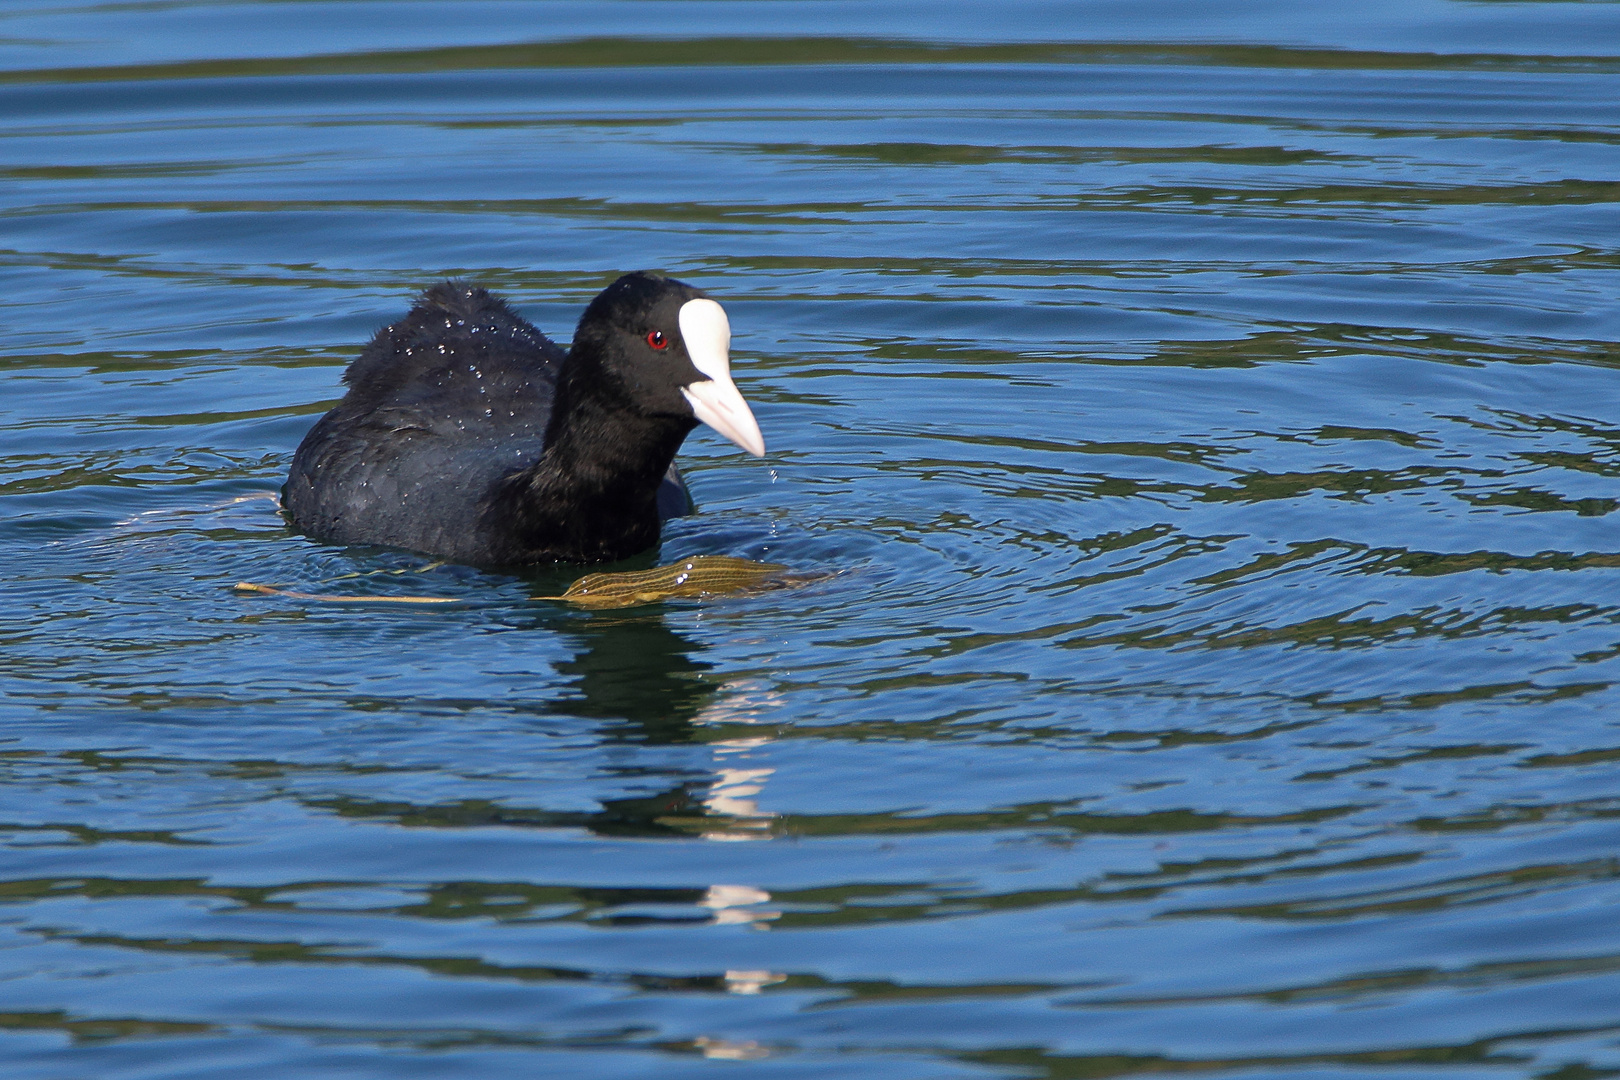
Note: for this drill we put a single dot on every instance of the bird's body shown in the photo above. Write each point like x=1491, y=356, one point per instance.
x=468, y=434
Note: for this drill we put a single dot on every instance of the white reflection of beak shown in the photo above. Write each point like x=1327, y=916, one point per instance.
x=715, y=400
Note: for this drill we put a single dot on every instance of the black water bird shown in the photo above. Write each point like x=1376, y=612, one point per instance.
x=466, y=433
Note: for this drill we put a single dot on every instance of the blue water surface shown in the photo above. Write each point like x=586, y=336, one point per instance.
x=1203, y=422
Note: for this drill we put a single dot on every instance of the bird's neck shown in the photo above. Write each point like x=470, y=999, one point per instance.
x=592, y=495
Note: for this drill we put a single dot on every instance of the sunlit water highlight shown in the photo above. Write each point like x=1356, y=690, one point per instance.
x=1212, y=420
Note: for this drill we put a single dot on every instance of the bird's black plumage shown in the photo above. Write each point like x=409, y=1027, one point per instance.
x=468, y=434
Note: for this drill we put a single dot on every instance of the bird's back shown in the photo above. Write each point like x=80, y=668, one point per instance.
x=440, y=406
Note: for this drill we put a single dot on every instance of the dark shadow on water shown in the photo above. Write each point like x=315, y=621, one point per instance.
x=645, y=683
x=633, y=671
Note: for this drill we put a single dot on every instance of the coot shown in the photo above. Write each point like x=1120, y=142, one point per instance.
x=466, y=433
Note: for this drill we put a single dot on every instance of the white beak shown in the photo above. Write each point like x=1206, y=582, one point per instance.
x=715, y=400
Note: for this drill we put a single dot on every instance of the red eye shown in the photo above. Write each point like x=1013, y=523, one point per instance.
x=657, y=340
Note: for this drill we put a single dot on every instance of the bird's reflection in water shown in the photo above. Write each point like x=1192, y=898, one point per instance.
x=649, y=686
x=633, y=671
